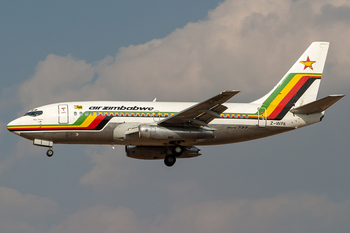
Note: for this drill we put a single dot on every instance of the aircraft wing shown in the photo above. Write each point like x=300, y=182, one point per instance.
x=318, y=105
x=202, y=113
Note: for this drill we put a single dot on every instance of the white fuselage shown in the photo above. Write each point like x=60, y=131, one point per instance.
x=95, y=123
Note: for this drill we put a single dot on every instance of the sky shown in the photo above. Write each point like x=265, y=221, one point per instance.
x=173, y=51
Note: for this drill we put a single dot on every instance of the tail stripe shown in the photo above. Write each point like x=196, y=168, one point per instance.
x=291, y=93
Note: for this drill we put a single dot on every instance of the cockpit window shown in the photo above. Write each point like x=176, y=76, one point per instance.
x=34, y=113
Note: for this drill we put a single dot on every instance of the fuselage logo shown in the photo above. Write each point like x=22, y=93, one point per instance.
x=121, y=108
x=308, y=63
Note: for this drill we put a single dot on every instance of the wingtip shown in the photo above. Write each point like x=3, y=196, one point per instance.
x=338, y=95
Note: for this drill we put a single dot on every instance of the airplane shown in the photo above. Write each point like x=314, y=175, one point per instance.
x=171, y=130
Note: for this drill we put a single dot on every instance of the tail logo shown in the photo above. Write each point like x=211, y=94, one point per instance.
x=307, y=63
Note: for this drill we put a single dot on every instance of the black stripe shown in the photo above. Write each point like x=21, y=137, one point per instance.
x=103, y=123
x=295, y=98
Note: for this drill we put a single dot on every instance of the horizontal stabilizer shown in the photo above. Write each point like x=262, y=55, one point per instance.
x=318, y=105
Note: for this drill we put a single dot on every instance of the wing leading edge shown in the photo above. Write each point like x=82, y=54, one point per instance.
x=202, y=113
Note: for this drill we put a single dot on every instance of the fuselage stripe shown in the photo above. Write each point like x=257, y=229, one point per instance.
x=288, y=97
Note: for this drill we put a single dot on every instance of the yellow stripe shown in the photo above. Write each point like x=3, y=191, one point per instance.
x=88, y=121
x=283, y=93
x=24, y=127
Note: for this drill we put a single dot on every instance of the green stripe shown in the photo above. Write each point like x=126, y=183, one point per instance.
x=278, y=90
x=81, y=119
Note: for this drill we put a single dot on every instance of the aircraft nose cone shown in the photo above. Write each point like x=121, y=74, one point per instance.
x=13, y=126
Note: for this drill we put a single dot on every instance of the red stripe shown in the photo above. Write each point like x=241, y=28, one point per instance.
x=95, y=122
x=288, y=97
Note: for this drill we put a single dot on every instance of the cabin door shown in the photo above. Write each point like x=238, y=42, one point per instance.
x=63, y=114
x=262, y=117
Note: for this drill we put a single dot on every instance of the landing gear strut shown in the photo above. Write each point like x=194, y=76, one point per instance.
x=49, y=152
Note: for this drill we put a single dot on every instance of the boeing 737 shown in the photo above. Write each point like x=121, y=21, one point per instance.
x=171, y=130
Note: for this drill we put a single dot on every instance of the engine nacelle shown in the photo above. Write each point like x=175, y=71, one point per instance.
x=157, y=152
x=126, y=132
x=173, y=133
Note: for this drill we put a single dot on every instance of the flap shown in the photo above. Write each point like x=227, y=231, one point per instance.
x=202, y=113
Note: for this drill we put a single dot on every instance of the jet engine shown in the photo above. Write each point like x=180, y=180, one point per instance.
x=158, y=152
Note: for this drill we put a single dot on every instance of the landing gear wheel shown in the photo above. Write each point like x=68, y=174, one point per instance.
x=177, y=150
x=49, y=153
x=169, y=160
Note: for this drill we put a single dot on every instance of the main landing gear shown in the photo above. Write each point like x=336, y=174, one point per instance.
x=170, y=159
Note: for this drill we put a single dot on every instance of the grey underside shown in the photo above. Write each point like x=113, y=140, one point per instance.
x=222, y=135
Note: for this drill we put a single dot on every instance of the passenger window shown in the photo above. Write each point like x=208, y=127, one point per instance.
x=75, y=113
x=86, y=114
x=91, y=113
x=80, y=113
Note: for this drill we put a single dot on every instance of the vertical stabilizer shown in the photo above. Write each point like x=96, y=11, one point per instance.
x=299, y=85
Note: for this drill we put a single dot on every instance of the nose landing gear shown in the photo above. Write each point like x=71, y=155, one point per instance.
x=49, y=153
x=44, y=143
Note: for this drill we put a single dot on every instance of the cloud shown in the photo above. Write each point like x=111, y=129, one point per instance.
x=56, y=78
x=2, y=127
x=108, y=171
x=290, y=213
x=100, y=219
x=245, y=45
x=23, y=213
x=242, y=45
